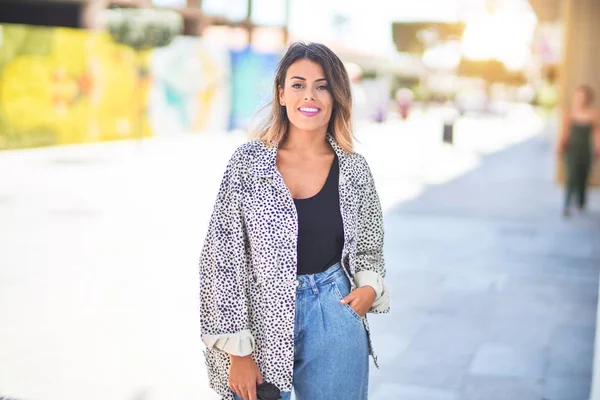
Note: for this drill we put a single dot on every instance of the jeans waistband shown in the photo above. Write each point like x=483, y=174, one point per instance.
x=322, y=278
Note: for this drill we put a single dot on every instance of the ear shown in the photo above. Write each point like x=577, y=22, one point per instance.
x=281, y=99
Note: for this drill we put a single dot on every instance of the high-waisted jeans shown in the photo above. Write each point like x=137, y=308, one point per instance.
x=331, y=360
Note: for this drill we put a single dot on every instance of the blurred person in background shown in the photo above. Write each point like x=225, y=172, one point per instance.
x=579, y=141
x=293, y=258
x=404, y=99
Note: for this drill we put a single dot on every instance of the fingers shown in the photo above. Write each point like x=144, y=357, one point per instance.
x=354, y=300
x=235, y=390
x=357, y=307
x=252, y=393
x=245, y=392
x=348, y=299
x=355, y=303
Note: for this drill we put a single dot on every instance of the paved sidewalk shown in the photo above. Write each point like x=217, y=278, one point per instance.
x=494, y=293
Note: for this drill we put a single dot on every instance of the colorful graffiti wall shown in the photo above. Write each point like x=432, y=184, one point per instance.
x=251, y=80
x=191, y=87
x=62, y=86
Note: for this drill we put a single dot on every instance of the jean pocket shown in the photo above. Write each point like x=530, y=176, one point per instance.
x=348, y=307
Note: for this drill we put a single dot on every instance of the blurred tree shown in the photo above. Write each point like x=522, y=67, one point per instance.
x=415, y=37
x=142, y=29
x=493, y=71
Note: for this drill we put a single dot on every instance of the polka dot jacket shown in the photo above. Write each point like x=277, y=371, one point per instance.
x=248, y=262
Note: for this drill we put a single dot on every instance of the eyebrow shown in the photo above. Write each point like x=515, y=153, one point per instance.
x=304, y=79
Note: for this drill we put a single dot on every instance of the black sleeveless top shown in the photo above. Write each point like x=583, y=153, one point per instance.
x=320, y=227
x=580, y=142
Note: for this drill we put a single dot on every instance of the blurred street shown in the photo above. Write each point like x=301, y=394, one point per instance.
x=493, y=293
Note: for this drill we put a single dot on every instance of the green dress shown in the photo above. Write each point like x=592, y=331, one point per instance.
x=578, y=158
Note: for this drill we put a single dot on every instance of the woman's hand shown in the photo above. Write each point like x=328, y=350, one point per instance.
x=361, y=299
x=244, y=375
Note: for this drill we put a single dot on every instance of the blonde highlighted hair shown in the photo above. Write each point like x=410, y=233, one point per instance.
x=275, y=126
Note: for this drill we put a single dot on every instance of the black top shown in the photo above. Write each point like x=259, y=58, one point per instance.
x=320, y=227
x=580, y=143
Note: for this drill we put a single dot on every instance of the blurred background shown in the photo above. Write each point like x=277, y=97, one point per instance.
x=117, y=118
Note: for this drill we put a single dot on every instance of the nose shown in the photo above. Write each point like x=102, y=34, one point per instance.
x=309, y=94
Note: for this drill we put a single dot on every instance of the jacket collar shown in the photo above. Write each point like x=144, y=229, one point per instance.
x=341, y=153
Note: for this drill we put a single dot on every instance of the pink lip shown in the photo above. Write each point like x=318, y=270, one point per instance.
x=309, y=114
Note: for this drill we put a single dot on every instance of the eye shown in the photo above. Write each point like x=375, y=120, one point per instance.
x=297, y=86
x=323, y=87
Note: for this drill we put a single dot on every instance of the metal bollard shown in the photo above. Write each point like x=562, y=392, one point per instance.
x=448, y=133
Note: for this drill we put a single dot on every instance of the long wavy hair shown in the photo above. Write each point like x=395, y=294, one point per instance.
x=275, y=126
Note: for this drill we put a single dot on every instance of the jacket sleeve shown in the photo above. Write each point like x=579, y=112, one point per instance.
x=370, y=263
x=223, y=270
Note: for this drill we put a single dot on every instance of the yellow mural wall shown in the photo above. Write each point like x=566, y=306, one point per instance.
x=60, y=86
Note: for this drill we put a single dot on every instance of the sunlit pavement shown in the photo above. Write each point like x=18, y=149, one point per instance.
x=494, y=295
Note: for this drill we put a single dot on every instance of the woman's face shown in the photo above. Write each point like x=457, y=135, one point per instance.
x=580, y=99
x=306, y=96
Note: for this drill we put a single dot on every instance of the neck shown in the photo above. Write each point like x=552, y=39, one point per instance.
x=305, y=141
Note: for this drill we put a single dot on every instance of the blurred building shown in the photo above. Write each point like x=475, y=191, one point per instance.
x=201, y=17
x=63, y=85
x=444, y=43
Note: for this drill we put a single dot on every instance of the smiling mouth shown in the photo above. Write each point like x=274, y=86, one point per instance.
x=309, y=111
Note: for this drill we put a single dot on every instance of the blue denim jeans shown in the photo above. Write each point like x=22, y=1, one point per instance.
x=331, y=360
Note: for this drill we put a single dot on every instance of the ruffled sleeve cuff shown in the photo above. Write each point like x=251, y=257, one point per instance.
x=373, y=279
x=237, y=344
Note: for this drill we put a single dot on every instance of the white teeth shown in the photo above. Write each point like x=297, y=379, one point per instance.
x=312, y=110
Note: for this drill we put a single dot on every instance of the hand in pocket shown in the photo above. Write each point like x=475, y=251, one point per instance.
x=360, y=299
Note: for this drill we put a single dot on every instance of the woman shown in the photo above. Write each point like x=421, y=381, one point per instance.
x=293, y=257
x=579, y=139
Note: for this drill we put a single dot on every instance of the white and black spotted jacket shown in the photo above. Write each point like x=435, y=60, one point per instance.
x=248, y=263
